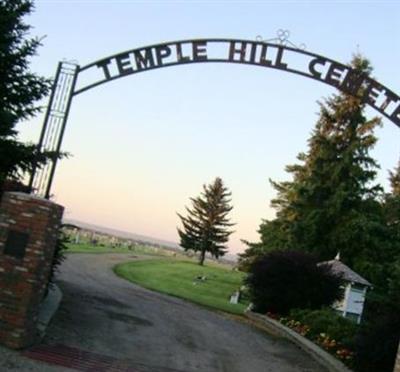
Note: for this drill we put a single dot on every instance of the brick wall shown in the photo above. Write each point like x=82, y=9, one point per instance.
x=28, y=232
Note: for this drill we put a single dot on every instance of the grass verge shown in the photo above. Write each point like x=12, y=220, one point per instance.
x=180, y=279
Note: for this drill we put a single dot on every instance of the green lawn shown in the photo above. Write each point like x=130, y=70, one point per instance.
x=137, y=249
x=178, y=278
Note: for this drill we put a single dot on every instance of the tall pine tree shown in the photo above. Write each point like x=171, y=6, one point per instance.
x=20, y=89
x=394, y=178
x=392, y=201
x=330, y=205
x=206, y=226
x=391, y=205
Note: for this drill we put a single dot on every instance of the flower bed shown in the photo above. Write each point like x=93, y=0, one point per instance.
x=322, y=339
x=274, y=327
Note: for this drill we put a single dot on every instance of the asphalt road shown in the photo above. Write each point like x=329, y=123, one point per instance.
x=148, y=331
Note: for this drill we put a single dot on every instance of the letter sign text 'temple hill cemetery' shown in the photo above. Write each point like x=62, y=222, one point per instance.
x=72, y=79
x=254, y=53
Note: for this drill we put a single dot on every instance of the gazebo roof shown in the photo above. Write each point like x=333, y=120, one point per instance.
x=348, y=274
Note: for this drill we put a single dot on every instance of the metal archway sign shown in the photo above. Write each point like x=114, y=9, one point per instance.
x=72, y=80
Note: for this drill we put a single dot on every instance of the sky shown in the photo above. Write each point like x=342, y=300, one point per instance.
x=141, y=146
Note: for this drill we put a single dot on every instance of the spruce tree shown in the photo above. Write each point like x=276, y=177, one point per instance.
x=20, y=89
x=392, y=203
x=206, y=226
x=392, y=216
x=331, y=204
x=394, y=178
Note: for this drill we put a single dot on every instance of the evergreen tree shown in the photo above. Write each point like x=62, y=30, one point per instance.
x=394, y=178
x=20, y=89
x=392, y=204
x=391, y=264
x=330, y=204
x=273, y=237
x=206, y=226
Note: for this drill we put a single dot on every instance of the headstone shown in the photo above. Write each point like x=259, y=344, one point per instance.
x=235, y=297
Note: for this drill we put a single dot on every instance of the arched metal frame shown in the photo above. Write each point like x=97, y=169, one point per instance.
x=248, y=52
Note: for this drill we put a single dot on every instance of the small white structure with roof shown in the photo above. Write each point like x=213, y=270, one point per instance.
x=356, y=288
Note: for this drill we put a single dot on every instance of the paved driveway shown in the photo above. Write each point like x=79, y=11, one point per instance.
x=103, y=314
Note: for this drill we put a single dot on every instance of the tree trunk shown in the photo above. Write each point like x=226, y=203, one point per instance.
x=202, y=257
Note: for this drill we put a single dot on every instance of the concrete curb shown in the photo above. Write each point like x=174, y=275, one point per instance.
x=276, y=328
x=48, y=308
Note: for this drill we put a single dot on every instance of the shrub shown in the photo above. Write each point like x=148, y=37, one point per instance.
x=329, y=322
x=59, y=254
x=283, y=280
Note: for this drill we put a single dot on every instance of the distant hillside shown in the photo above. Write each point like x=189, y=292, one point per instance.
x=143, y=238
x=122, y=234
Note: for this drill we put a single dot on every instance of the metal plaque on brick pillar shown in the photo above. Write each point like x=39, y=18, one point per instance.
x=16, y=243
x=72, y=80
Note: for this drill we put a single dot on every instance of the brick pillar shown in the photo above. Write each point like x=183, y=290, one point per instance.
x=28, y=233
